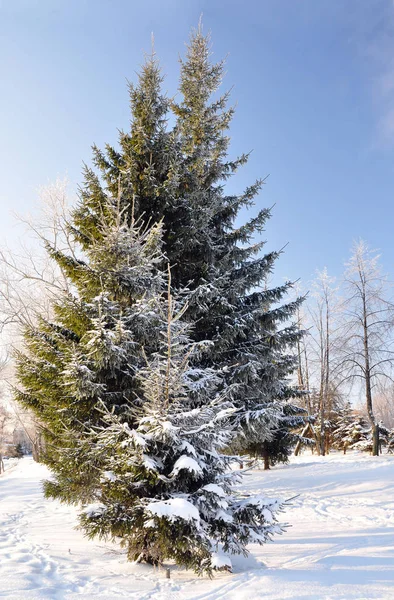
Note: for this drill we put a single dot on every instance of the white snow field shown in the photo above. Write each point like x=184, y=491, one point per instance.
x=340, y=544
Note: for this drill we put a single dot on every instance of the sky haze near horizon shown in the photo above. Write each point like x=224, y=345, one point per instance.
x=314, y=88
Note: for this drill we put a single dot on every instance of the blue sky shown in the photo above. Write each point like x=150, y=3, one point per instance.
x=314, y=87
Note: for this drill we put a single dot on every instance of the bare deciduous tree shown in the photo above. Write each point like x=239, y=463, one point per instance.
x=384, y=404
x=303, y=378
x=29, y=280
x=367, y=352
x=324, y=333
x=5, y=419
x=32, y=431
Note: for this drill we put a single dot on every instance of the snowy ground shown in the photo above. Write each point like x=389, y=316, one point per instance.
x=340, y=545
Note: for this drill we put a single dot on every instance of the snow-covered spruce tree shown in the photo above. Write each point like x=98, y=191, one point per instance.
x=366, y=441
x=165, y=489
x=390, y=442
x=88, y=356
x=112, y=383
x=287, y=434
x=341, y=416
x=141, y=167
x=353, y=432
x=336, y=417
x=179, y=175
x=251, y=331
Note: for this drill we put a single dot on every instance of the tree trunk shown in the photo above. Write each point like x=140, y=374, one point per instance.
x=321, y=445
x=266, y=461
x=307, y=386
x=298, y=444
x=325, y=440
x=318, y=444
x=301, y=384
x=375, y=439
x=368, y=385
x=322, y=433
x=36, y=452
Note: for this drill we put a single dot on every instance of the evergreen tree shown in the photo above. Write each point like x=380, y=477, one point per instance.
x=366, y=443
x=234, y=307
x=341, y=435
x=354, y=433
x=141, y=167
x=85, y=373
x=165, y=487
x=390, y=442
x=19, y=452
x=286, y=435
x=132, y=427
x=352, y=430
x=90, y=353
x=337, y=415
x=179, y=175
